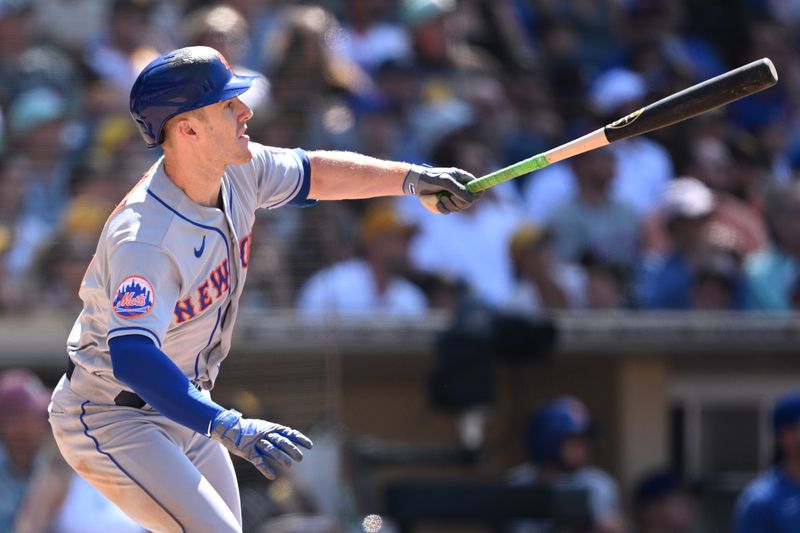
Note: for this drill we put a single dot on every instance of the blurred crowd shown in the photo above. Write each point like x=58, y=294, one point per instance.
x=701, y=215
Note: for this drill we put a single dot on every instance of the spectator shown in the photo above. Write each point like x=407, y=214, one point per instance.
x=310, y=82
x=225, y=29
x=263, y=17
x=369, y=38
x=441, y=47
x=559, y=446
x=716, y=283
x=677, y=57
x=497, y=28
x=770, y=114
x=559, y=47
x=663, y=504
x=643, y=166
x=126, y=44
x=44, y=65
x=39, y=491
x=112, y=165
x=593, y=222
x=606, y=283
x=597, y=44
x=489, y=103
x=664, y=280
x=380, y=131
x=15, y=37
x=733, y=219
x=78, y=20
x=466, y=247
x=751, y=169
x=320, y=237
x=270, y=274
x=773, y=271
x=62, y=262
x=767, y=505
x=109, y=163
x=12, y=193
x=37, y=120
x=373, y=285
x=427, y=22
x=23, y=434
x=542, y=283
x=537, y=124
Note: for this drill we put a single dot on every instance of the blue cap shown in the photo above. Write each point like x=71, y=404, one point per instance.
x=35, y=107
x=657, y=485
x=786, y=411
x=558, y=420
x=179, y=81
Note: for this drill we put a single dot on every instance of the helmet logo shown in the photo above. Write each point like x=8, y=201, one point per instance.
x=225, y=62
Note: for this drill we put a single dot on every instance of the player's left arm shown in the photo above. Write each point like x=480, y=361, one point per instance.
x=141, y=365
x=350, y=176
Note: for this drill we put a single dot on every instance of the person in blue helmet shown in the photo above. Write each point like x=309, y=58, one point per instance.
x=771, y=503
x=133, y=414
x=559, y=442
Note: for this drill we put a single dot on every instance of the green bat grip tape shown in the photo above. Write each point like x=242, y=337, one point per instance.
x=504, y=174
x=508, y=173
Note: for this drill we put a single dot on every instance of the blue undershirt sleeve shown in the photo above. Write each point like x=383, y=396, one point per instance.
x=138, y=363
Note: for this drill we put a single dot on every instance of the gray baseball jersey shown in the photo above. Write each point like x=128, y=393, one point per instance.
x=172, y=270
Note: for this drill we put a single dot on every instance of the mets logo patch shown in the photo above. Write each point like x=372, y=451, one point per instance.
x=134, y=298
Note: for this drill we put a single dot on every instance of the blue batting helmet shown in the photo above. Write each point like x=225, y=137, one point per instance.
x=786, y=411
x=556, y=421
x=179, y=81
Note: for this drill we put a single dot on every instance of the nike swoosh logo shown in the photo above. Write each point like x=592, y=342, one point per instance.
x=198, y=253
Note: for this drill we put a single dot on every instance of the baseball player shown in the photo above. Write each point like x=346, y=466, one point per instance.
x=559, y=445
x=133, y=414
x=771, y=503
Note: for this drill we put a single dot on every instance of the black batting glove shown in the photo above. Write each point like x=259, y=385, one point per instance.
x=446, y=185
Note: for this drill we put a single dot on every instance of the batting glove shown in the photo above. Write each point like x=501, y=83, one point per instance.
x=265, y=444
x=446, y=185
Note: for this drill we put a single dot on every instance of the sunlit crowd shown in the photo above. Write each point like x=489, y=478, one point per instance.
x=700, y=215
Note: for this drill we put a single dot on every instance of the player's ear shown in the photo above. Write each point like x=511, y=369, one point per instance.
x=185, y=127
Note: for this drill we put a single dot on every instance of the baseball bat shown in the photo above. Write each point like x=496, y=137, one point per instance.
x=688, y=103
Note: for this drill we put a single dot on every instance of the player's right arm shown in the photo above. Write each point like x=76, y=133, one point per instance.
x=300, y=178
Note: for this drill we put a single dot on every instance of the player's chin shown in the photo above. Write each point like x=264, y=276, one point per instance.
x=243, y=150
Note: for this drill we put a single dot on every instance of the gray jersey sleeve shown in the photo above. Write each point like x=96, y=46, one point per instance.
x=282, y=176
x=144, y=284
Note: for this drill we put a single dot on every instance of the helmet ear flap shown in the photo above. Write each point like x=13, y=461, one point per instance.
x=147, y=133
